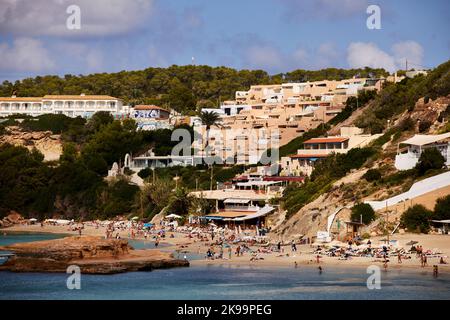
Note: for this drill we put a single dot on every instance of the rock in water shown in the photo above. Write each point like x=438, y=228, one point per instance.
x=91, y=254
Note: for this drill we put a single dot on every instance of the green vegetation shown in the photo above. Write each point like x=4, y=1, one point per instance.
x=362, y=212
x=325, y=173
x=397, y=98
x=297, y=143
x=56, y=123
x=442, y=208
x=352, y=104
x=372, y=175
x=430, y=159
x=183, y=88
x=417, y=219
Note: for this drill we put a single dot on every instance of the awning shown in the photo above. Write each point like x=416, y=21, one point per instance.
x=240, y=201
x=262, y=212
x=211, y=218
x=442, y=221
x=423, y=139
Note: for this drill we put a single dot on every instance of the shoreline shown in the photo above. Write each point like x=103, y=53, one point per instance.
x=303, y=257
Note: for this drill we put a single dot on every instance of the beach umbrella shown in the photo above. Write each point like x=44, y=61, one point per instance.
x=412, y=242
x=33, y=219
x=135, y=218
x=173, y=216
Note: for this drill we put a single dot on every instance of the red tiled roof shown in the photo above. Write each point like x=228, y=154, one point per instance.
x=148, y=107
x=287, y=178
x=326, y=140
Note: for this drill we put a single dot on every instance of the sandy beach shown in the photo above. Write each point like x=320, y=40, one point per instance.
x=303, y=256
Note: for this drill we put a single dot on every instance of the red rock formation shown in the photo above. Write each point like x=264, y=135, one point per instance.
x=91, y=254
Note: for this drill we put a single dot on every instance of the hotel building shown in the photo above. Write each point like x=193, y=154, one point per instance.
x=69, y=105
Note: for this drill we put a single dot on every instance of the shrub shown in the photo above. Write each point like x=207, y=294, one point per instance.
x=442, y=208
x=406, y=124
x=145, y=173
x=430, y=158
x=372, y=175
x=424, y=126
x=364, y=212
x=417, y=218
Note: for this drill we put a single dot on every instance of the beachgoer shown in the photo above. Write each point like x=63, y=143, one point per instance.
x=435, y=270
x=399, y=257
x=320, y=269
x=442, y=261
x=318, y=258
x=295, y=264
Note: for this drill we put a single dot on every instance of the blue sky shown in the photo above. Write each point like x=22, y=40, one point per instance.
x=274, y=35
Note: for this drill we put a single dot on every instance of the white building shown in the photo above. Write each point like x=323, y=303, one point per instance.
x=69, y=105
x=407, y=159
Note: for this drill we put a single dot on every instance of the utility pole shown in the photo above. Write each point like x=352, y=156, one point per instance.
x=387, y=223
x=211, y=181
x=406, y=65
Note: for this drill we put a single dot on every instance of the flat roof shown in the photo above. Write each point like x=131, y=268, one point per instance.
x=148, y=107
x=231, y=193
x=78, y=97
x=230, y=214
x=21, y=99
x=326, y=140
x=424, y=139
x=307, y=156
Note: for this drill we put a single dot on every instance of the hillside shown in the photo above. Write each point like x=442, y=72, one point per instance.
x=183, y=88
x=338, y=182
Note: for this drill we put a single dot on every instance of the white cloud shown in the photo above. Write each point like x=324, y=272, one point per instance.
x=48, y=17
x=362, y=54
x=408, y=50
x=25, y=54
x=263, y=56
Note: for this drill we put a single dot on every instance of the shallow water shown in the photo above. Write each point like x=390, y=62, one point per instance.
x=224, y=283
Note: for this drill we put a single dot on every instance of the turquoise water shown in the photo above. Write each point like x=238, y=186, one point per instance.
x=224, y=283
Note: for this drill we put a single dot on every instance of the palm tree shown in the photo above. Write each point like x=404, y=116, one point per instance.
x=209, y=119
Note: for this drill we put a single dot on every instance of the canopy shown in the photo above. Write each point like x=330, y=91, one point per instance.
x=134, y=218
x=241, y=201
x=148, y=225
x=261, y=212
x=424, y=139
x=33, y=219
x=438, y=221
x=174, y=216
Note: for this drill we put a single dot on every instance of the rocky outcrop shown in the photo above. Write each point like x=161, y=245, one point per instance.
x=11, y=219
x=46, y=142
x=92, y=254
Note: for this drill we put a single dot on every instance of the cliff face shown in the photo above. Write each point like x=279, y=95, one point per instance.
x=46, y=142
x=91, y=254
